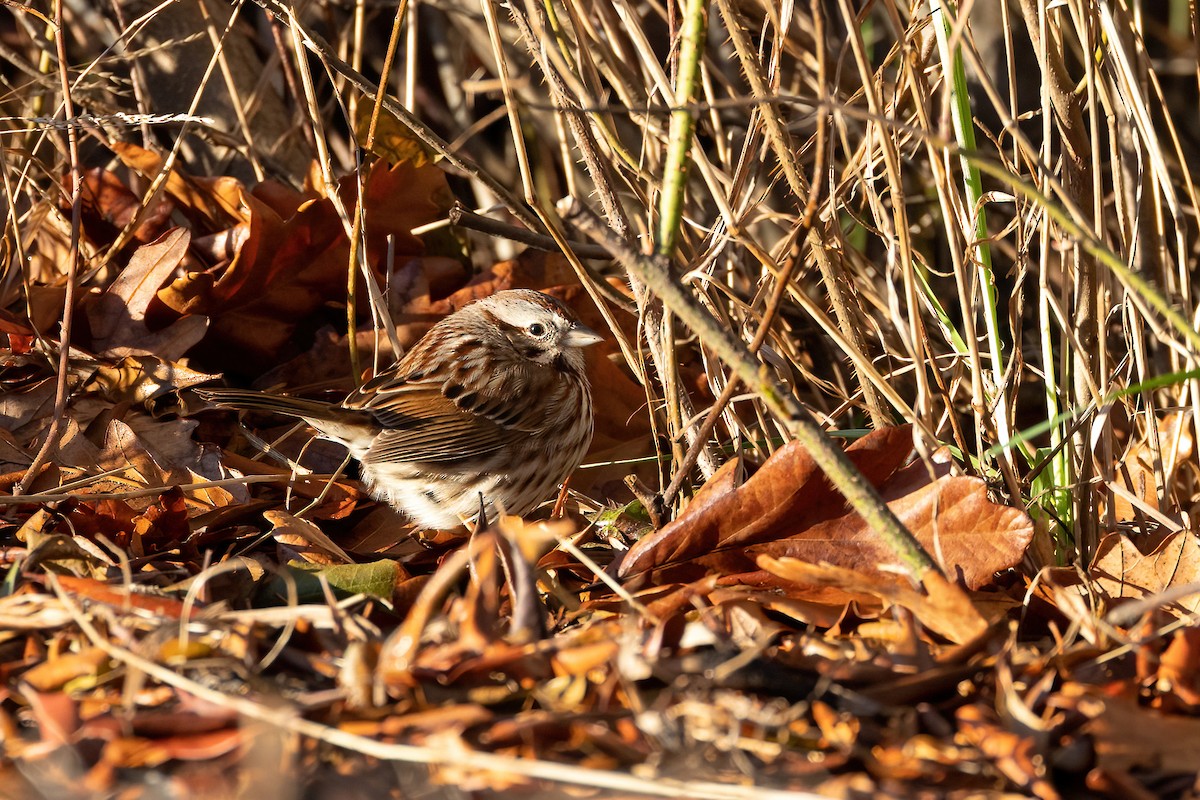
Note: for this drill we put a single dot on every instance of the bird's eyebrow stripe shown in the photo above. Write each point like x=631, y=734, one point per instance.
x=499, y=323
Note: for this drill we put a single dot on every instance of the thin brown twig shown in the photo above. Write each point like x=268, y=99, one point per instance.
x=61, y=389
x=463, y=217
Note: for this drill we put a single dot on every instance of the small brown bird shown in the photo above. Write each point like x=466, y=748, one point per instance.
x=492, y=401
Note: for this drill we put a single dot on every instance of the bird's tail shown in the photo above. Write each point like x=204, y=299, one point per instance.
x=355, y=429
x=249, y=400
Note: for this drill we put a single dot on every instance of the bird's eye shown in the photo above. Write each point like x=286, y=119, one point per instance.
x=537, y=329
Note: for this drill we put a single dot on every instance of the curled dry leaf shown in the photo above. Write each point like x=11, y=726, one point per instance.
x=147, y=453
x=391, y=139
x=132, y=752
x=123, y=598
x=788, y=509
x=108, y=206
x=27, y=409
x=1171, y=667
x=209, y=203
x=139, y=379
x=56, y=713
x=33, y=611
x=284, y=254
x=52, y=675
x=534, y=539
x=159, y=527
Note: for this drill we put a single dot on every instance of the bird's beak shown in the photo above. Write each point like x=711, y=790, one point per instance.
x=581, y=336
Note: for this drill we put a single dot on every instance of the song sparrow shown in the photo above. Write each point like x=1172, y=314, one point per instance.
x=492, y=400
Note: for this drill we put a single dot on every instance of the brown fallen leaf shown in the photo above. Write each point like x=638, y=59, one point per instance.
x=27, y=410
x=123, y=599
x=56, y=713
x=211, y=203
x=1121, y=571
x=943, y=606
x=130, y=751
x=578, y=660
x=158, y=527
x=819, y=607
x=415, y=725
x=140, y=379
x=1013, y=755
x=392, y=139
x=108, y=206
x=1142, y=465
x=279, y=255
x=839, y=730
x=118, y=316
x=300, y=539
x=787, y=494
x=1127, y=736
x=1176, y=681
x=788, y=509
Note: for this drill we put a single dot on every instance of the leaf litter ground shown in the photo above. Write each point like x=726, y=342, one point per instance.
x=179, y=608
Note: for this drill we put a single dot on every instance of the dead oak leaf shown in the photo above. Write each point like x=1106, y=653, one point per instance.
x=1017, y=757
x=786, y=495
x=141, y=378
x=967, y=535
x=787, y=509
x=209, y=203
x=283, y=270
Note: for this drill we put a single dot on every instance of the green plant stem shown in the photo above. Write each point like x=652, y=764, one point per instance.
x=683, y=123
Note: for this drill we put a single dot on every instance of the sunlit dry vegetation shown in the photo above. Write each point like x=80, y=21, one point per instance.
x=894, y=479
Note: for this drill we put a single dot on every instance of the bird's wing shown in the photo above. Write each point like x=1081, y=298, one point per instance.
x=420, y=423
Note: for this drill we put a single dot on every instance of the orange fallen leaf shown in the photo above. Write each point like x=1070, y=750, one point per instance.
x=130, y=752
x=108, y=206
x=1177, y=679
x=211, y=203
x=1013, y=755
x=119, y=597
x=281, y=255
x=52, y=675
